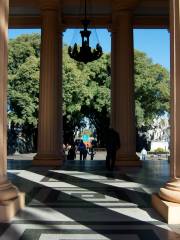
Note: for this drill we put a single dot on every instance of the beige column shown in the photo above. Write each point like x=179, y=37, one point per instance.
x=168, y=201
x=122, y=89
x=50, y=144
x=10, y=198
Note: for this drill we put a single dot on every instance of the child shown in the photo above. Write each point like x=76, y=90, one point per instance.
x=71, y=153
x=92, y=153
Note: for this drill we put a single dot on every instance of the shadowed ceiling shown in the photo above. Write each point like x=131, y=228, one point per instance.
x=146, y=13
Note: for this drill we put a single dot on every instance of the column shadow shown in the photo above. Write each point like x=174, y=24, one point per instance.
x=120, y=193
x=88, y=215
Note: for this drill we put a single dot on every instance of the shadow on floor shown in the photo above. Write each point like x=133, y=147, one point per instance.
x=82, y=211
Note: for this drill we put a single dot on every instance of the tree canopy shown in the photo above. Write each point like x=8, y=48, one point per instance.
x=23, y=87
x=86, y=88
x=152, y=90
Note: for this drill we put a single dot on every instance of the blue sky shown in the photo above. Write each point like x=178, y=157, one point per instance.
x=154, y=42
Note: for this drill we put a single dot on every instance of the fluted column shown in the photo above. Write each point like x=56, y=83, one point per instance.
x=168, y=200
x=50, y=100
x=171, y=192
x=122, y=91
x=9, y=194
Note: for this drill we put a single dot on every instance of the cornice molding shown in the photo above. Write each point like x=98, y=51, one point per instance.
x=97, y=22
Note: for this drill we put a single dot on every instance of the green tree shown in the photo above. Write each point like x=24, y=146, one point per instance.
x=152, y=91
x=98, y=107
x=152, y=94
x=74, y=96
x=86, y=89
x=86, y=93
x=23, y=87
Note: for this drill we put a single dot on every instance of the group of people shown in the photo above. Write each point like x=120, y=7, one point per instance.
x=83, y=151
x=112, y=146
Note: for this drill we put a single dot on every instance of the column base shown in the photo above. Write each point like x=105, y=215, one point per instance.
x=168, y=210
x=171, y=191
x=9, y=208
x=48, y=160
x=128, y=160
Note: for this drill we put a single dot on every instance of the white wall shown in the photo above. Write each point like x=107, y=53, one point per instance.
x=155, y=145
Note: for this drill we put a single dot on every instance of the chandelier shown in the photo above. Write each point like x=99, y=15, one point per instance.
x=84, y=53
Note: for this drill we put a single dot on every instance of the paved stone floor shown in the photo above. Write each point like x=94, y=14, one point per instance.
x=84, y=201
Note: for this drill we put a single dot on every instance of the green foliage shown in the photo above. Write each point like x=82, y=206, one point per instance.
x=151, y=89
x=86, y=92
x=86, y=88
x=23, y=88
x=74, y=86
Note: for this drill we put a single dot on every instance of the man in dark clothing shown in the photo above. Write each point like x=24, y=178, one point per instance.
x=82, y=150
x=112, y=145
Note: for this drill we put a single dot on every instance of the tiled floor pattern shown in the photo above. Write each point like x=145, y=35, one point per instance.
x=83, y=201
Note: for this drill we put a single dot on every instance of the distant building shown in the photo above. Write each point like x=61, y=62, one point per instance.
x=159, y=135
x=163, y=145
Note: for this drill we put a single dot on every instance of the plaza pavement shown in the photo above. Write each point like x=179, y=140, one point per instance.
x=84, y=201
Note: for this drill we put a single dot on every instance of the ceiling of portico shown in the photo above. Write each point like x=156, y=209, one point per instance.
x=72, y=11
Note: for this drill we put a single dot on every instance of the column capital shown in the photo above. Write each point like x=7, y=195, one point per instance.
x=51, y=13
x=121, y=13
x=121, y=17
x=124, y=5
x=50, y=5
x=62, y=29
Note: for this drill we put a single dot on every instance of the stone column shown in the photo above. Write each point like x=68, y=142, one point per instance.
x=10, y=198
x=50, y=146
x=122, y=89
x=168, y=200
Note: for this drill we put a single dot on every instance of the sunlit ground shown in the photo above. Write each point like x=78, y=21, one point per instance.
x=83, y=200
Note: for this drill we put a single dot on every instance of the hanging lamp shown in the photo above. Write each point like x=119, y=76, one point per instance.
x=84, y=53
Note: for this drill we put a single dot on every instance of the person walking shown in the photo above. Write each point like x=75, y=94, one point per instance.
x=112, y=145
x=143, y=154
x=85, y=152
x=82, y=149
x=71, y=153
x=91, y=153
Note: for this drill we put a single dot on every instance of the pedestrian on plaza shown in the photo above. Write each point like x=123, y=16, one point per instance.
x=91, y=153
x=112, y=145
x=143, y=154
x=82, y=150
x=71, y=153
x=85, y=152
